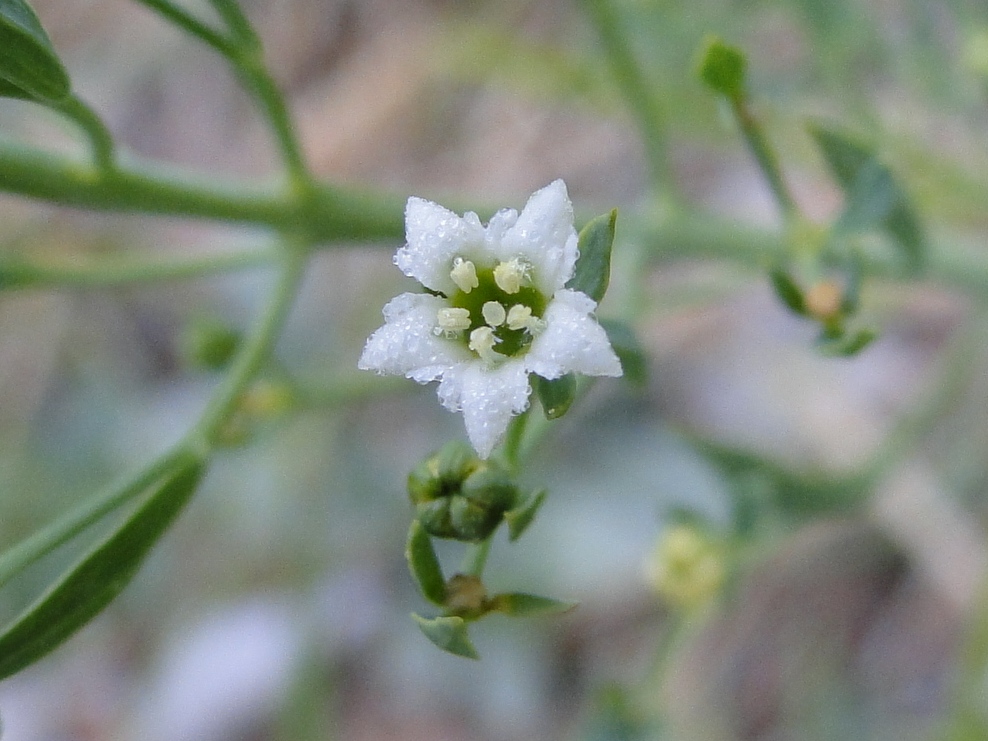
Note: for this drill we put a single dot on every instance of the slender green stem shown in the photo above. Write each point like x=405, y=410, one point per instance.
x=73, y=522
x=636, y=90
x=766, y=158
x=234, y=17
x=272, y=102
x=17, y=273
x=192, y=25
x=331, y=214
x=100, y=138
x=475, y=559
x=254, y=351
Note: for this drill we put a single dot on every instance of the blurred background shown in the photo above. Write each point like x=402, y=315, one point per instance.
x=278, y=606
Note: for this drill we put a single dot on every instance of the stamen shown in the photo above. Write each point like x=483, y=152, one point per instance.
x=482, y=341
x=453, y=320
x=464, y=275
x=494, y=313
x=520, y=317
x=509, y=275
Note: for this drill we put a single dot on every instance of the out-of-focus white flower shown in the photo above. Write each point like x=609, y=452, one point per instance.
x=497, y=310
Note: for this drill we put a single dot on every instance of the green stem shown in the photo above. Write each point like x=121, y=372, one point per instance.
x=192, y=25
x=765, y=156
x=16, y=273
x=332, y=214
x=100, y=138
x=232, y=14
x=254, y=351
x=475, y=559
x=73, y=522
x=251, y=67
x=637, y=91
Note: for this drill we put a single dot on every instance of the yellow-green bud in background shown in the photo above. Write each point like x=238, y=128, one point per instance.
x=687, y=568
x=459, y=496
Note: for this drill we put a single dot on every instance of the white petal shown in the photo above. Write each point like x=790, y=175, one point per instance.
x=573, y=341
x=435, y=236
x=499, y=224
x=488, y=398
x=406, y=345
x=544, y=237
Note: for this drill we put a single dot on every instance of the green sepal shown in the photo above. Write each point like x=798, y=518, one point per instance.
x=28, y=63
x=722, y=68
x=424, y=565
x=448, y=633
x=555, y=396
x=593, y=267
x=624, y=341
x=519, y=604
x=847, y=345
x=788, y=291
x=87, y=587
x=521, y=517
x=857, y=169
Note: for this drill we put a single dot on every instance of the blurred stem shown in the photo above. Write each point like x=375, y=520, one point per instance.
x=100, y=138
x=636, y=90
x=73, y=522
x=17, y=273
x=250, y=65
x=765, y=156
x=328, y=213
x=234, y=17
x=196, y=445
x=254, y=351
x=191, y=25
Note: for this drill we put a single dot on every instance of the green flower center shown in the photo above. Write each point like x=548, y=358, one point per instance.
x=495, y=310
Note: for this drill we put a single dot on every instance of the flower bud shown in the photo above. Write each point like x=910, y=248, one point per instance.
x=457, y=495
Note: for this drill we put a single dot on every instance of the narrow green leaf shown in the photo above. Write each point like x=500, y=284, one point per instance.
x=857, y=168
x=869, y=199
x=92, y=583
x=844, y=154
x=10, y=90
x=518, y=604
x=722, y=68
x=555, y=396
x=424, y=564
x=521, y=517
x=449, y=634
x=27, y=60
x=634, y=361
x=593, y=267
x=788, y=292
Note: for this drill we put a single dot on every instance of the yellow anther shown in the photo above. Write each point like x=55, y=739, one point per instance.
x=453, y=320
x=482, y=341
x=509, y=275
x=494, y=313
x=464, y=275
x=520, y=317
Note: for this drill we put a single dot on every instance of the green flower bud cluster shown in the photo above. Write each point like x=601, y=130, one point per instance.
x=459, y=496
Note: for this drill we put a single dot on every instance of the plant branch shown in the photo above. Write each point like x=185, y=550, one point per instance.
x=331, y=214
x=636, y=90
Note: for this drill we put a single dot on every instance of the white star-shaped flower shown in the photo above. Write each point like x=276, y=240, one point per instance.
x=497, y=310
